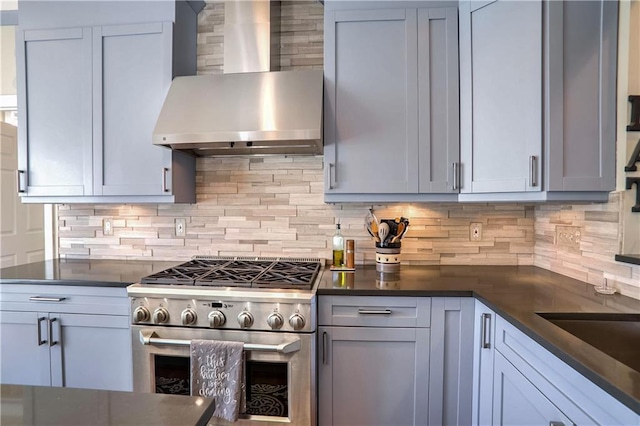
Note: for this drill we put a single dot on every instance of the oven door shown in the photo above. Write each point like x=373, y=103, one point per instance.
x=279, y=370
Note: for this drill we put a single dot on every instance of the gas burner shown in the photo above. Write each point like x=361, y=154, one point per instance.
x=274, y=273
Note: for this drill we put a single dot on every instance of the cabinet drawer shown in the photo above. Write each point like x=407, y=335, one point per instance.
x=374, y=311
x=65, y=299
x=575, y=395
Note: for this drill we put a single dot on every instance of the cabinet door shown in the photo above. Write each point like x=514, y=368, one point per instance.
x=54, y=102
x=501, y=95
x=373, y=376
x=483, y=350
x=518, y=402
x=450, y=361
x=581, y=95
x=438, y=100
x=371, y=114
x=132, y=71
x=92, y=352
x=24, y=349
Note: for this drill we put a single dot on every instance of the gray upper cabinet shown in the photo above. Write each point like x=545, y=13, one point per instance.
x=391, y=113
x=537, y=100
x=501, y=112
x=89, y=98
x=57, y=122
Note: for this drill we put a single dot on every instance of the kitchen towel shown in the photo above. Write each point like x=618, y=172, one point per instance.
x=216, y=372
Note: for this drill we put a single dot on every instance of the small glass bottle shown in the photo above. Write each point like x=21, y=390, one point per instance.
x=338, y=248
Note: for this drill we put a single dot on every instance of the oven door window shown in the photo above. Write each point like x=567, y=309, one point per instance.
x=266, y=383
x=267, y=388
x=171, y=375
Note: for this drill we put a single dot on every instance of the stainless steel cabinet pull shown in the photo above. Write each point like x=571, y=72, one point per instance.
x=18, y=176
x=456, y=176
x=552, y=423
x=46, y=299
x=533, y=172
x=51, y=341
x=164, y=179
x=329, y=175
x=486, y=331
x=374, y=311
x=324, y=347
x=40, y=341
x=151, y=338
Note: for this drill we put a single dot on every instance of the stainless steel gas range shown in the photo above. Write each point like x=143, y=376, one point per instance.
x=269, y=304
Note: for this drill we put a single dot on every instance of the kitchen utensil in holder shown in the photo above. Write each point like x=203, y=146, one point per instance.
x=388, y=258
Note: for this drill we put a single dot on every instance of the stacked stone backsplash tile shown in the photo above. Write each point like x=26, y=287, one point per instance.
x=581, y=241
x=273, y=206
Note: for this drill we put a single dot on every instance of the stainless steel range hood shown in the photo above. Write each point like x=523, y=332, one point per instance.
x=250, y=109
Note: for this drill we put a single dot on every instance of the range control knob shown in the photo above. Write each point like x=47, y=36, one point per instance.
x=296, y=321
x=245, y=319
x=189, y=316
x=275, y=321
x=160, y=316
x=216, y=319
x=141, y=314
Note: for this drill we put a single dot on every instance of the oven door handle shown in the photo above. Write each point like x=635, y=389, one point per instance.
x=151, y=338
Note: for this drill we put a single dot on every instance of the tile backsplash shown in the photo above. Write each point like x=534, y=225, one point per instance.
x=273, y=206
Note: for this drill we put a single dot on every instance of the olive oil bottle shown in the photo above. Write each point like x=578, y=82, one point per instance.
x=338, y=248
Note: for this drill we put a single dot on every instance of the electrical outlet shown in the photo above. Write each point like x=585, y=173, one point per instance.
x=568, y=237
x=181, y=227
x=475, y=232
x=107, y=227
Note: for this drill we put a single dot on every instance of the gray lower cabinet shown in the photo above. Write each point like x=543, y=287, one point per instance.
x=537, y=100
x=451, y=361
x=516, y=401
x=373, y=376
x=391, y=110
x=45, y=342
x=394, y=360
x=518, y=382
x=88, y=99
x=483, y=355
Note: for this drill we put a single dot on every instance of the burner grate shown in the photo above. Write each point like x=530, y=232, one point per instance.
x=259, y=272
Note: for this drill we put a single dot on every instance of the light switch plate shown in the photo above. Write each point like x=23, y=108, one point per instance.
x=475, y=232
x=568, y=237
x=107, y=226
x=181, y=227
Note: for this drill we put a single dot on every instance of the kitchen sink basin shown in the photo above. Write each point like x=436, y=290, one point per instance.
x=617, y=335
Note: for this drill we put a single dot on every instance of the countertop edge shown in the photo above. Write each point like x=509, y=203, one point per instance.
x=73, y=283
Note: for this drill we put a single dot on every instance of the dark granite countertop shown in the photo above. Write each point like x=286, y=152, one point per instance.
x=35, y=405
x=516, y=293
x=82, y=272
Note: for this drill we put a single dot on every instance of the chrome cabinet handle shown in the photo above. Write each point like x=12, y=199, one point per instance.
x=533, y=168
x=51, y=341
x=18, y=176
x=374, y=312
x=486, y=331
x=46, y=299
x=40, y=341
x=151, y=338
x=165, y=171
x=329, y=175
x=324, y=348
x=456, y=176
x=553, y=423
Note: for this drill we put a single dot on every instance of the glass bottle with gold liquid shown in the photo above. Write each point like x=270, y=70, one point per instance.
x=338, y=248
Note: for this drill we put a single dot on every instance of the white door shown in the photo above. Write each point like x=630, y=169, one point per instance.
x=21, y=225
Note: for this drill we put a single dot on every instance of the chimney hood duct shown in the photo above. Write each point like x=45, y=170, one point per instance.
x=250, y=109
